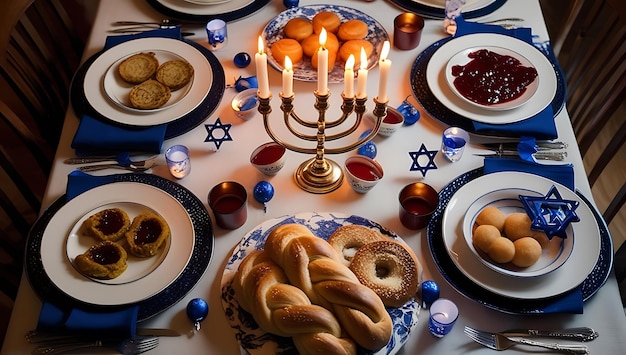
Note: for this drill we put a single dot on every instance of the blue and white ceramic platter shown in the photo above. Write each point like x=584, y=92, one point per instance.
x=256, y=341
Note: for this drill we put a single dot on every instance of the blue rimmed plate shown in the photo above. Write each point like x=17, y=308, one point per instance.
x=256, y=341
x=435, y=8
x=227, y=10
x=304, y=71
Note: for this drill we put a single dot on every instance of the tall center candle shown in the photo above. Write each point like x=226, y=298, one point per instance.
x=322, y=65
x=260, y=59
x=362, y=78
x=385, y=66
x=348, y=78
x=288, y=78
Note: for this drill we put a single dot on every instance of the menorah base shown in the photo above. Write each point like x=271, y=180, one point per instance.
x=319, y=178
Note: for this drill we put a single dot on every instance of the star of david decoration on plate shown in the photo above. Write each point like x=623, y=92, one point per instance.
x=219, y=139
x=550, y=213
x=416, y=157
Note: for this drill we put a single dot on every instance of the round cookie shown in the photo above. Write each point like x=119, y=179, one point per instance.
x=147, y=234
x=109, y=224
x=287, y=47
x=150, y=94
x=138, y=67
x=354, y=47
x=298, y=28
x=527, y=251
x=352, y=29
x=174, y=74
x=105, y=260
x=326, y=19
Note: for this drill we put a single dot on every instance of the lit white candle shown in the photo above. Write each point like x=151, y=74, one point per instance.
x=362, y=78
x=260, y=59
x=385, y=66
x=322, y=65
x=288, y=78
x=348, y=78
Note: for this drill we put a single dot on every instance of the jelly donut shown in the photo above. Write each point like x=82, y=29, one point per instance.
x=346, y=240
x=287, y=47
x=298, y=28
x=389, y=268
x=353, y=47
x=326, y=19
x=352, y=29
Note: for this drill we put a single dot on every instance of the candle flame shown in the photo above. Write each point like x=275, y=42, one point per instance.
x=363, y=64
x=323, y=38
x=385, y=51
x=288, y=64
x=350, y=62
x=260, y=45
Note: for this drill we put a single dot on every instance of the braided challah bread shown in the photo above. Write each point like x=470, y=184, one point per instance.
x=262, y=289
x=313, y=265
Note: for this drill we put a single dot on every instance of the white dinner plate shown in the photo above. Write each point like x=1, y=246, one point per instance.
x=554, y=254
x=97, y=97
x=462, y=58
x=58, y=245
x=470, y=5
x=207, y=2
x=304, y=71
x=581, y=262
x=186, y=7
x=257, y=341
x=118, y=90
x=437, y=82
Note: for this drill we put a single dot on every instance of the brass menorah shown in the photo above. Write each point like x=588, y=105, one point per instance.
x=322, y=175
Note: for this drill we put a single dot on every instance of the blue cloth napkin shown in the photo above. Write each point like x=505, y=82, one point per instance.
x=121, y=323
x=572, y=301
x=95, y=136
x=542, y=124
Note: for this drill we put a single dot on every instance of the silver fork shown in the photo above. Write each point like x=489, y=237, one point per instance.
x=500, y=342
x=126, y=347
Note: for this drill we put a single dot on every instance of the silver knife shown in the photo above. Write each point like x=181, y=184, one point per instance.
x=558, y=156
x=540, y=145
x=579, y=334
x=34, y=336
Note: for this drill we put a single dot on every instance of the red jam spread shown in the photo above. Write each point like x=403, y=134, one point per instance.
x=148, y=232
x=491, y=78
x=105, y=254
x=110, y=221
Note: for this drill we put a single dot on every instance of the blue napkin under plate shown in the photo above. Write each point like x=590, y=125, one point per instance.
x=95, y=136
x=571, y=301
x=120, y=323
x=540, y=125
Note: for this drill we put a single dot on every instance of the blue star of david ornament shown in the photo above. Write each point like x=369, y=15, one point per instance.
x=550, y=213
x=219, y=139
x=431, y=160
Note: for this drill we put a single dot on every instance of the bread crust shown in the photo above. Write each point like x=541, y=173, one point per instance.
x=138, y=67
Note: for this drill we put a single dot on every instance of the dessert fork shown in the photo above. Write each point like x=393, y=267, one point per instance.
x=500, y=342
x=126, y=347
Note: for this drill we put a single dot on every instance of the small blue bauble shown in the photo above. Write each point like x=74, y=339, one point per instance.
x=410, y=113
x=197, y=310
x=290, y=3
x=430, y=292
x=368, y=149
x=263, y=192
x=242, y=59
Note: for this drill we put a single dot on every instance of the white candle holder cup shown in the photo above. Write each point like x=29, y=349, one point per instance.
x=178, y=161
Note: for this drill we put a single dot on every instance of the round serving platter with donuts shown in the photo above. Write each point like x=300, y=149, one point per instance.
x=251, y=335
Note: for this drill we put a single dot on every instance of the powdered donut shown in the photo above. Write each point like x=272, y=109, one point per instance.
x=389, y=268
x=346, y=240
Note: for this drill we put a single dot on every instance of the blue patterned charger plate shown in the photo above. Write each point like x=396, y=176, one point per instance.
x=256, y=341
x=304, y=71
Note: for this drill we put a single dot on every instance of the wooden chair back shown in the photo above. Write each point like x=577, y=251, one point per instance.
x=39, y=51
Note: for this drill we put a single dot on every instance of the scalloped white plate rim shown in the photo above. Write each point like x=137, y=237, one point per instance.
x=98, y=99
x=436, y=78
x=553, y=255
x=571, y=274
x=336, y=75
x=247, y=245
x=462, y=58
x=118, y=90
x=202, y=9
x=63, y=275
